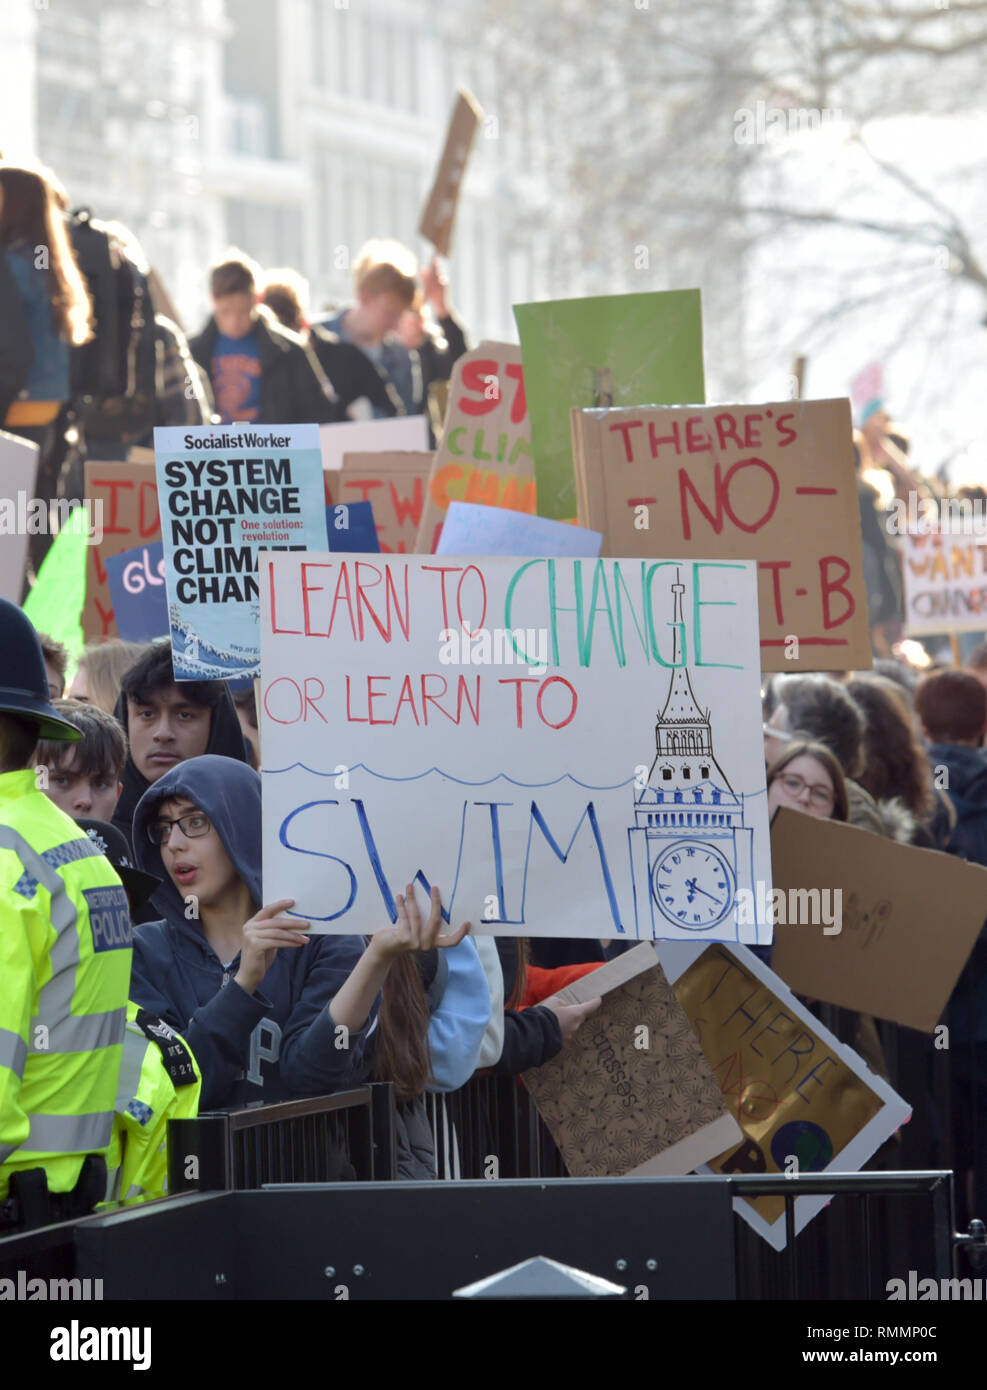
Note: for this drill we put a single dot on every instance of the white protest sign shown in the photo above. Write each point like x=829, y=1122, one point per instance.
x=18, y=468
x=565, y=747
x=470, y=528
x=403, y=434
x=945, y=581
x=225, y=497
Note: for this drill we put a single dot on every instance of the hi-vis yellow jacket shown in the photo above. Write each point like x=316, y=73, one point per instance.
x=65, y=949
x=159, y=1081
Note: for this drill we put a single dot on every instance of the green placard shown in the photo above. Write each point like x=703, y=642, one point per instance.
x=652, y=346
x=54, y=605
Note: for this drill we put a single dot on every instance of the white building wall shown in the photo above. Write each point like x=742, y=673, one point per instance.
x=128, y=103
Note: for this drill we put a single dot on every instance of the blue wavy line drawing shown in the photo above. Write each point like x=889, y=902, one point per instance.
x=463, y=782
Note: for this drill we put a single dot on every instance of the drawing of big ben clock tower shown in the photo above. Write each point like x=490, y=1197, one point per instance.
x=690, y=849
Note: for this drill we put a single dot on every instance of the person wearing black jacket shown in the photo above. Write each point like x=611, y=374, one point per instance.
x=352, y=375
x=349, y=375
x=536, y=1035
x=258, y=370
x=167, y=723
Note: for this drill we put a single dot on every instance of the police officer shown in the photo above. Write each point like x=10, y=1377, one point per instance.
x=65, y=951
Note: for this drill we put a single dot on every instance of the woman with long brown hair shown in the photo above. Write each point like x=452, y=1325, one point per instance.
x=897, y=767
x=44, y=312
x=434, y=1011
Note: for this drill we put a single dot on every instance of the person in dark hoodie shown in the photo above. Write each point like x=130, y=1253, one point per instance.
x=268, y=1011
x=952, y=710
x=167, y=722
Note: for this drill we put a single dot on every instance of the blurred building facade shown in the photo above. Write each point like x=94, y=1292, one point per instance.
x=294, y=129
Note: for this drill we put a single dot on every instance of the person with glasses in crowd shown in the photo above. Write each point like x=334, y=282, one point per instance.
x=807, y=777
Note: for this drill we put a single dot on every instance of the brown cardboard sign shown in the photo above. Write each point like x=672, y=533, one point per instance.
x=773, y=483
x=485, y=452
x=128, y=495
x=632, y=1093
x=439, y=216
x=908, y=921
x=394, y=485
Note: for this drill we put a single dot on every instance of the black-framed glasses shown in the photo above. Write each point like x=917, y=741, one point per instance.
x=192, y=825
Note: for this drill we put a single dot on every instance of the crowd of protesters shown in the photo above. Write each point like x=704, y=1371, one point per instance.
x=166, y=772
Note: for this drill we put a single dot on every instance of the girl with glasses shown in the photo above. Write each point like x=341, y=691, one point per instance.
x=807, y=777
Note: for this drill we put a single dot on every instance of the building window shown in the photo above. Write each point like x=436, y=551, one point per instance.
x=666, y=774
x=687, y=773
x=704, y=771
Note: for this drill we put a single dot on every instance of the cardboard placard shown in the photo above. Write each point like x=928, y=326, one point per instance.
x=18, y=470
x=128, y=495
x=226, y=501
x=402, y=434
x=470, y=529
x=945, y=583
x=438, y=217
x=897, y=954
x=631, y=1095
x=138, y=593
x=484, y=455
x=638, y=348
x=394, y=484
x=774, y=483
x=592, y=767
x=804, y=1101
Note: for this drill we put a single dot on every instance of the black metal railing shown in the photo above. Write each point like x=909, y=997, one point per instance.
x=875, y=1228
x=338, y=1138
x=846, y=1251
x=491, y=1129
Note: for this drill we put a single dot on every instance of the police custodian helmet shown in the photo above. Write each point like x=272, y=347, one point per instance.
x=23, y=681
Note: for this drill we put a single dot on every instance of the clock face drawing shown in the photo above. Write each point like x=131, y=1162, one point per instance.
x=693, y=886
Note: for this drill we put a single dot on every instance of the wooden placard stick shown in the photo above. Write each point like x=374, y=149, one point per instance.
x=603, y=387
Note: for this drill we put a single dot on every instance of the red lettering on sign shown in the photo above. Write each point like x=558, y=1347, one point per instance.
x=475, y=378
x=835, y=586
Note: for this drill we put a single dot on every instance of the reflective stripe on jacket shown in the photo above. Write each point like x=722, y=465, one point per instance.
x=65, y=952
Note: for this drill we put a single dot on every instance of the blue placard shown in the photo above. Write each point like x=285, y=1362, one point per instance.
x=137, y=592
x=352, y=528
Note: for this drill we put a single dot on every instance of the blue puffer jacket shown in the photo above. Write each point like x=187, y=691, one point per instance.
x=48, y=374
x=278, y=1042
